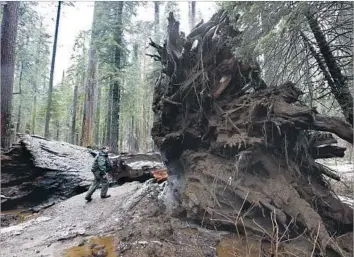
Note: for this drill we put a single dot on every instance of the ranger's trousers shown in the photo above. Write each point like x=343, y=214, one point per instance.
x=99, y=179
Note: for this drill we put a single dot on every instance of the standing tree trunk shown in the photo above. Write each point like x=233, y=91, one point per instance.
x=87, y=122
x=191, y=15
x=34, y=111
x=116, y=85
x=147, y=110
x=136, y=138
x=73, y=120
x=131, y=136
x=58, y=130
x=50, y=89
x=157, y=21
x=18, y=123
x=109, y=114
x=8, y=44
x=146, y=104
x=97, y=116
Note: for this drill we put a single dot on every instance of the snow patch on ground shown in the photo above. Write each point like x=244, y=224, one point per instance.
x=347, y=200
x=346, y=172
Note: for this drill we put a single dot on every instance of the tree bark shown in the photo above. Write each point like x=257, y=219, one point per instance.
x=8, y=44
x=51, y=77
x=116, y=83
x=340, y=87
x=87, y=123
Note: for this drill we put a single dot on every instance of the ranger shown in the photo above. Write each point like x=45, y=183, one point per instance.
x=100, y=168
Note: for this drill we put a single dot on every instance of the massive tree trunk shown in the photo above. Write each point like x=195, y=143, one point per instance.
x=51, y=77
x=8, y=45
x=40, y=172
x=339, y=87
x=116, y=83
x=87, y=123
x=241, y=156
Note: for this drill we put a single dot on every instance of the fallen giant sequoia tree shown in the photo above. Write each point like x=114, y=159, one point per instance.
x=241, y=155
x=40, y=172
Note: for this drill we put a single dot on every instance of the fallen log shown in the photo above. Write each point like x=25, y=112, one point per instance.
x=40, y=172
x=251, y=165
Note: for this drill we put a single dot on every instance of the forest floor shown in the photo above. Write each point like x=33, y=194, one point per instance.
x=133, y=222
x=127, y=224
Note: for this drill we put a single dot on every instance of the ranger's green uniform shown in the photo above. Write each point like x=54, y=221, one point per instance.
x=100, y=168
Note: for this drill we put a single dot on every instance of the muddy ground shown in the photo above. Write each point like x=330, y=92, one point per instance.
x=133, y=222
x=130, y=223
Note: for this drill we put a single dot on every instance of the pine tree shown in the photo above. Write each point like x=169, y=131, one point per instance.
x=88, y=118
x=9, y=26
x=116, y=90
x=50, y=89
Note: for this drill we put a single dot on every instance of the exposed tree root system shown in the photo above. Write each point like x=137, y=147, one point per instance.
x=241, y=154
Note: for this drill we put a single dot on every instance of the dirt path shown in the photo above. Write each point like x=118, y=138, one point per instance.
x=133, y=222
x=130, y=223
x=48, y=233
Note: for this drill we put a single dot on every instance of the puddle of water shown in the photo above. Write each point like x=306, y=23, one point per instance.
x=87, y=250
x=190, y=231
x=22, y=214
x=15, y=211
x=238, y=246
